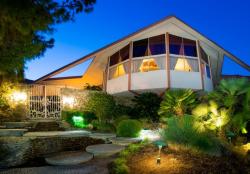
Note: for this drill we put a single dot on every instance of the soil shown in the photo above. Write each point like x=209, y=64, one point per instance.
x=180, y=162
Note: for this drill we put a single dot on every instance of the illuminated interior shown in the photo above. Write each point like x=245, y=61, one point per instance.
x=119, y=71
x=148, y=65
x=183, y=65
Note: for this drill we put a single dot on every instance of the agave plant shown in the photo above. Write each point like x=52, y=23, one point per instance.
x=177, y=102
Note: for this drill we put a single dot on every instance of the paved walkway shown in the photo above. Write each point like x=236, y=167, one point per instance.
x=95, y=166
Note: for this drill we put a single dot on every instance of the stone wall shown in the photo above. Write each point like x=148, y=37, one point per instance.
x=16, y=151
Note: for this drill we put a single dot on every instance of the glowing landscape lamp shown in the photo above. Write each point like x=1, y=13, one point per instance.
x=78, y=121
x=18, y=96
x=160, y=144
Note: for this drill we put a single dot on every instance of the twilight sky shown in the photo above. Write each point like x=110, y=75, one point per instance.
x=226, y=22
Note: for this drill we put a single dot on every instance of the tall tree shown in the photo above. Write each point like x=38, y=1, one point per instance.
x=26, y=27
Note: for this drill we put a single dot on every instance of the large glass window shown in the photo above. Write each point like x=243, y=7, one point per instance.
x=140, y=48
x=183, y=64
x=175, y=45
x=118, y=70
x=157, y=45
x=149, y=64
x=124, y=53
x=189, y=48
x=114, y=59
x=208, y=71
x=183, y=54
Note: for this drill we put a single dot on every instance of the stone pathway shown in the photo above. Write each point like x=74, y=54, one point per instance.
x=104, y=150
x=69, y=158
x=124, y=141
x=95, y=166
x=74, y=133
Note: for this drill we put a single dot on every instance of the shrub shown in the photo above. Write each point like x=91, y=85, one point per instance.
x=177, y=102
x=146, y=106
x=129, y=128
x=101, y=104
x=182, y=131
x=103, y=126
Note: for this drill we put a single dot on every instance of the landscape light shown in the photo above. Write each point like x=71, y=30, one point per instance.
x=78, y=121
x=149, y=135
x=68, y=101
x=159, y=144
x=218, y=122
x=18, y=96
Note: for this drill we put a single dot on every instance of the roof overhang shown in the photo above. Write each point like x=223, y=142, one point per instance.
x=126, y=39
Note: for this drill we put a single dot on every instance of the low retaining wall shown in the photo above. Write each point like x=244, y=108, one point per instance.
x=16, y=151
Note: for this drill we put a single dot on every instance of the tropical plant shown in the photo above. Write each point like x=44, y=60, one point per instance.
x=146, y=106
x=234, y=95
x=129, y=128
x=177, y=102
x=183, y=131
x=210, y=116
x=101, y=104
x=92, y=87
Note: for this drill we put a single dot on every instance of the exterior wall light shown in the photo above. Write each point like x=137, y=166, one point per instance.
x=68, y=101
x=18, y=96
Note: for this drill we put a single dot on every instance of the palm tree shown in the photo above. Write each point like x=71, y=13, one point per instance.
x=177, y=102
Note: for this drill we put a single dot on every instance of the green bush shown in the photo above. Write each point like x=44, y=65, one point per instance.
x=102, y=105
x=103, y=126
x=129, y=128
x=182, y=131
x=146, y=106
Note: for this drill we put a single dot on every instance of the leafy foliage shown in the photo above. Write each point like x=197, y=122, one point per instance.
x=234, y=95
x=209, y=116
x=146, y=106
x=25, y=26
x=119, y=166
x=129, y=128
x=177, y=102
x=92, y=87
x=182, y=131
x=102, y=105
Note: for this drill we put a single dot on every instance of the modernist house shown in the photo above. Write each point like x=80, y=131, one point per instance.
x=167, y=54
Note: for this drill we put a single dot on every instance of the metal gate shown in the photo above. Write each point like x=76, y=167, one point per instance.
x=44, y=102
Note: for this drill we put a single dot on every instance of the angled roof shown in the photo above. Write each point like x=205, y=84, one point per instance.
x=92, y=55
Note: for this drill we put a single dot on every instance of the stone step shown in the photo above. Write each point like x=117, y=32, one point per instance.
x=46, y=126
x=2, y=127
x=12, y=132
x=124, y=141
x=103, y=136
x=69, y=158
x=18, y=125
x=104, y=150
x=74, y=133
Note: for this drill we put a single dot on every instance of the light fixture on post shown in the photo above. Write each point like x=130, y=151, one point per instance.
x=160, y=144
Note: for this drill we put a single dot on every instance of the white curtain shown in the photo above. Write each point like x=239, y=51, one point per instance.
x=193, y=63
x=137, y=65
x=126, y=67
x=161, y=62
x=173, y=62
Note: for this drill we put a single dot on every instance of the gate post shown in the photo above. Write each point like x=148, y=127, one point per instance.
x=45, y=102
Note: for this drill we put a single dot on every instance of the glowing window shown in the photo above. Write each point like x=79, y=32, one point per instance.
x=148, y=65
x=184, y=64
